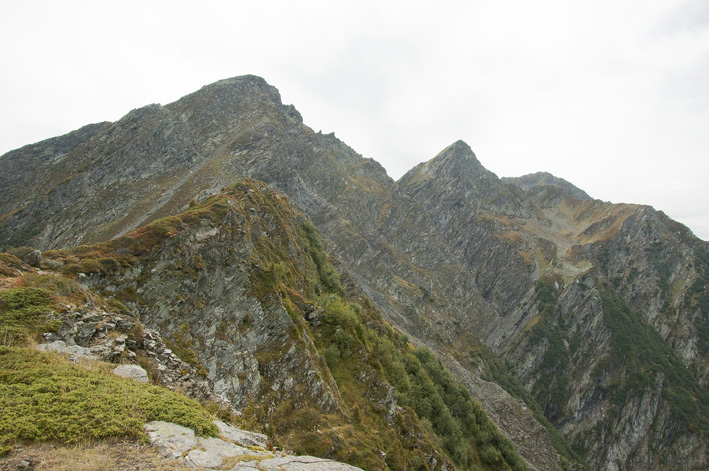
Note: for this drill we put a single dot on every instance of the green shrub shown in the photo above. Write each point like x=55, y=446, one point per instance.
x=24, y=312
x=329, y=277
x=638, y=353
x=44, y=397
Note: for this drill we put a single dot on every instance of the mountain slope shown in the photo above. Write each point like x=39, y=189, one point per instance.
x=240, y=285
x=544, y=276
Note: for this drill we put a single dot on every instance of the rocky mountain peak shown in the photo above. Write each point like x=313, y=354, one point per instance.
x=238, y=86
x=222, y=111
x=539, y=179
x=455, y=162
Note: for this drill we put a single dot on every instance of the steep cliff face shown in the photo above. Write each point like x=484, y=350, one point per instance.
x=568, y=290
x=584, y=334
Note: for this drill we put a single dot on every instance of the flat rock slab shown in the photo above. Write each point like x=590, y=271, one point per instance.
x=59, y=346
x=178, y=442
x=294, y=463
x=242, y=437
x=171, y=440
x=226, y=449
x=203, y=459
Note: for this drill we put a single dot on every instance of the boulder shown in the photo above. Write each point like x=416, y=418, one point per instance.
x=132, y=371
x=33, y=258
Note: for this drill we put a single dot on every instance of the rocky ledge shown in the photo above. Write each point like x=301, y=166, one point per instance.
x=235, y=450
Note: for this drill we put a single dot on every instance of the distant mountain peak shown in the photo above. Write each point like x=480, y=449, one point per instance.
x=537, y=179
x=455, y=162
x=240, y=81
x=228, y=94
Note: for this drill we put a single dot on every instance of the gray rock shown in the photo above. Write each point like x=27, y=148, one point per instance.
x=33, y=258
x=294, y=463
x=171, y=440
x=240, y=436
x=86, y=332
x=134, y=372
x=124, y=325
x=203, y=459
x=60, y=346
x=225, y=448
x=177, y=442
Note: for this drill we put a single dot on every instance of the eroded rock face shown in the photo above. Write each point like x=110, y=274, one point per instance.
x=532, y=266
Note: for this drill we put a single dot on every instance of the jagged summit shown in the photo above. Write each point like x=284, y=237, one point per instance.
x=456, y=162
x=239, y=85
x=545, y=178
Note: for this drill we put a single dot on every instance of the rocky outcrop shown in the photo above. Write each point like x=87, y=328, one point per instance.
x=87, y=332
x=134, y=372
x=236, y=450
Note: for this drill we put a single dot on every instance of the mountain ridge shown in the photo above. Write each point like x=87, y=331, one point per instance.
x=448, y=248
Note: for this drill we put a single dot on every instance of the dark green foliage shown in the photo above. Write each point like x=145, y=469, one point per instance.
x=498, y=372
x=633, y=274
x=422, y=385
x=23, y=312
x=182, y=345
x=552, y=386
x=329, y=277
x=457, y=419
x=638, y=353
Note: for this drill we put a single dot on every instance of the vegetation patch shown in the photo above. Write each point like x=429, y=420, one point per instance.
x=24, y=311
x=423, y=387
x=496, y=371
x=182, y=345
x=329, y=278
x=45, y=397
x=551, y=388
x=638, y=354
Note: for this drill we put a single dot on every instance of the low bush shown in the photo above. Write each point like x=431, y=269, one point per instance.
x=44, y=397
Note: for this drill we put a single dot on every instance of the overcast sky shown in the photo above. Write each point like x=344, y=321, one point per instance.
x=610, y=95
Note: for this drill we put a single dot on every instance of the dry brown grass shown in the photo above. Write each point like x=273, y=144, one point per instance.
x=123, y=455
